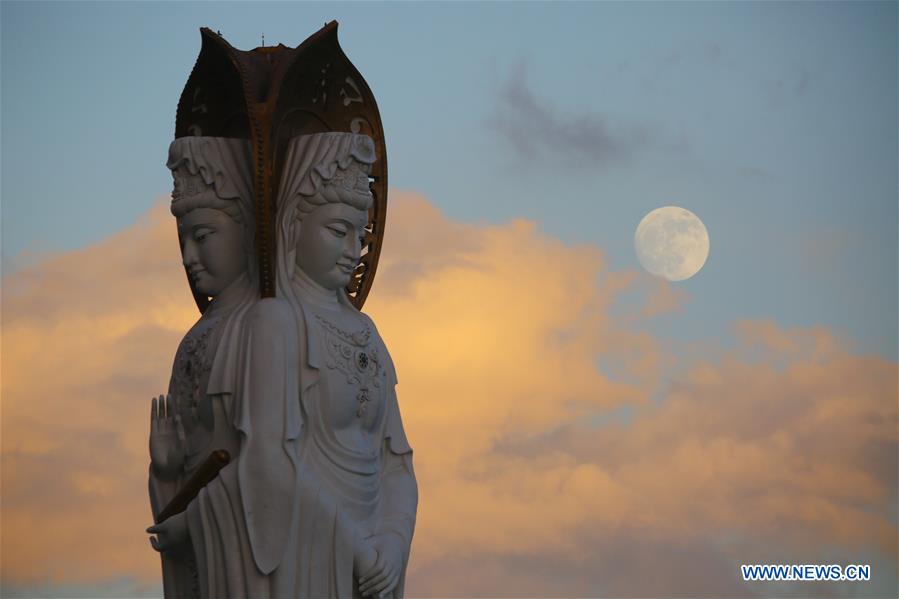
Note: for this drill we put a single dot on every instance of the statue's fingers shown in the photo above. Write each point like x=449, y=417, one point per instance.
x=364, y=586
x=374, y=581
x=153, y=413
x=395, y=580
x=372, y=571
x=162, y=408
x=170, y=407
x=380, y=586
x=388, y=591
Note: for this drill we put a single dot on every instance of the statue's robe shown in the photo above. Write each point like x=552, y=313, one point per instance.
x=281, y=520
x=205, y=361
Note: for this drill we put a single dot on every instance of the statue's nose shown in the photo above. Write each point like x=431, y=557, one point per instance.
x=189, y=254
x=351, y=247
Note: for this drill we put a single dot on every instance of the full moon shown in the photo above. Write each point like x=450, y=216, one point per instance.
x=672, y=243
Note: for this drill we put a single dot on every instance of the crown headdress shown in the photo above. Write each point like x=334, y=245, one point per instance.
x=270, y=95
x=353, y=179
x=188, y=186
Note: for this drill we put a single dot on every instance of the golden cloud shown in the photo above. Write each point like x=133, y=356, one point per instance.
x=538, y=473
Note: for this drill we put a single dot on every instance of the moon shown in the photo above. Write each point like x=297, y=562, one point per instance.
x=672, y=243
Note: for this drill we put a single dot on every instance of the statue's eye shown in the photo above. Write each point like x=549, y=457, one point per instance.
x=200, y=235
x=337, y=231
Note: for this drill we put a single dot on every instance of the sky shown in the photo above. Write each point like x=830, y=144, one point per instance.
x=580, y=427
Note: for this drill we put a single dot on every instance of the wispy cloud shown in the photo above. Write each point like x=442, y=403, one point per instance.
x=535, y=129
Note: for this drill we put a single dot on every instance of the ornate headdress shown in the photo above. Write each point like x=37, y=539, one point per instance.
x=271, y=95
x=211, y=172
x=337, y=167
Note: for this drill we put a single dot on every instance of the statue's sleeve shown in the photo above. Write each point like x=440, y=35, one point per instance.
x=400, y=490
x=269, y=419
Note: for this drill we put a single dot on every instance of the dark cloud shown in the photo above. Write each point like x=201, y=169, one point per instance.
x=536, y=130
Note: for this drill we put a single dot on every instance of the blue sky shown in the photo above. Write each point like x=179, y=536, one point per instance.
x=774, y=123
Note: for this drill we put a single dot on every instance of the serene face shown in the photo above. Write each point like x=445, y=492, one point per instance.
x=212, y=249
x=330, y=244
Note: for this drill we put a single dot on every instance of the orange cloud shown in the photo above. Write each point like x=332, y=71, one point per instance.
x=539, y=474
x=88, y=338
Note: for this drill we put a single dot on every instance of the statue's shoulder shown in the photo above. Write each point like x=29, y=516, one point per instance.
x=381, y=345
x=374, y=329
x=189, y=341
x=368, y=321
x=272, y=315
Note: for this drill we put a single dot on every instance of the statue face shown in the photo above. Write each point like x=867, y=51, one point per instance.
x=330, y=243
x=212, y=249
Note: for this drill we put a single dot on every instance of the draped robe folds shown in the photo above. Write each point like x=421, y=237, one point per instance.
x=276, y=522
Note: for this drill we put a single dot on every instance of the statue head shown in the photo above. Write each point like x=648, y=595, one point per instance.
x=213, y=202
x=323, y=207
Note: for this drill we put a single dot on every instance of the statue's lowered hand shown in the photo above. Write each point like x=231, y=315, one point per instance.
x=383, y=577
x=364, y=556
x=166, y=450
x=169, y=533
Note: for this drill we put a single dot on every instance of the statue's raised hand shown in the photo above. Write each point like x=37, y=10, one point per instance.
x=166, y=450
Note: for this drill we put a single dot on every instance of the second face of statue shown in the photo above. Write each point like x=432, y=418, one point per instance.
x=212, y=249
x=330, y=243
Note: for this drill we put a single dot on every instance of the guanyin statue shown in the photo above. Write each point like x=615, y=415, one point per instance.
x=315, y=495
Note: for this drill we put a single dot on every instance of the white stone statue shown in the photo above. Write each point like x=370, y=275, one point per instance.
x=321, y=498
x=213, y=203
x=353, y=434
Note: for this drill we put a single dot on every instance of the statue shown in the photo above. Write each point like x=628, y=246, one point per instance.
x=355, y=439
x=320, y=497
x=212, y=201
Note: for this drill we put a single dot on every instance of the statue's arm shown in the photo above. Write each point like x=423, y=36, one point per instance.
x=399, y=492
x=400, y=498
x=398, y=484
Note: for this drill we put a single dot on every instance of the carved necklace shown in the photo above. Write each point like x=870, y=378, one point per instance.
x=192, y=365
x=349, y=354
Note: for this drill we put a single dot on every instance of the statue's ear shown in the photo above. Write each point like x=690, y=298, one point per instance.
x=295, y=231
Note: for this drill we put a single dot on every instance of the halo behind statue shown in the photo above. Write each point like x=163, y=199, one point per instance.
x=270, y=95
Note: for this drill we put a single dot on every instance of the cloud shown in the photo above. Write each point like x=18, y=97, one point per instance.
x=88, y=337
x=535, y=130
x=539, y=475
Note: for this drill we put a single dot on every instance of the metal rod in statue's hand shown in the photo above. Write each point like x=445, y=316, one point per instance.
x=207, y=471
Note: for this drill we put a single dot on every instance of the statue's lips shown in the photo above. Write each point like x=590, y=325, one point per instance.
x=194, y=274
x=345, y=268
